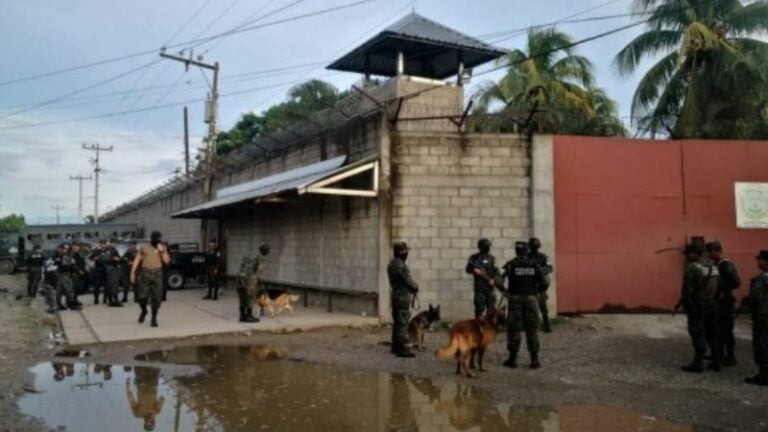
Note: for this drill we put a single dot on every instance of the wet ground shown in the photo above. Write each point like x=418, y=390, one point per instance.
x=233, y=388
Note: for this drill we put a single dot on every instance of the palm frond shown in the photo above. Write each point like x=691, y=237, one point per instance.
x=646, y=45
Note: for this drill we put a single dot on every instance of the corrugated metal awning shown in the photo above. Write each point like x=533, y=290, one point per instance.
x=314, y=178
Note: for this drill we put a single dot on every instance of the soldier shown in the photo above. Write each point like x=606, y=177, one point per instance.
x=99, y=275
x=482, y=267
x=110, y=258
x=728, y=281
x=213, y=265
x=65, y=264
x=542, y=284
x=757, y=303
x=147, y=403
x=79, y=277
x=35, y=263
x=127, y=260
x=522, y=273
x=700, y=284
x=251, y=270
x=403, y=287
x=151, y=257
x=48, y=286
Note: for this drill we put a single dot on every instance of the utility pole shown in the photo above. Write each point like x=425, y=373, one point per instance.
x=211, y=117
x=186, y=142
x=96, y=170
x=80, y=179
x=58, y=208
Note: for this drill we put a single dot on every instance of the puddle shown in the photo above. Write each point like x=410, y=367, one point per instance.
x=235, y=389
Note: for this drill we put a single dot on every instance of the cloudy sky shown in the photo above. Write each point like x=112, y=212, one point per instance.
x=135, y=104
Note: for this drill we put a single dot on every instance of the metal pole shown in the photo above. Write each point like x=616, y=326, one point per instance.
x=96, y=170
x=186, y=142
x=80, y=179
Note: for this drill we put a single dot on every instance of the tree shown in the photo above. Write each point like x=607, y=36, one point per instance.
x=12, y=223
x=711, y=79
x=304, y=100
x=89, y=219
x=549, y=76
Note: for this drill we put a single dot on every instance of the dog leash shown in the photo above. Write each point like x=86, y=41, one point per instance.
x=415, y=303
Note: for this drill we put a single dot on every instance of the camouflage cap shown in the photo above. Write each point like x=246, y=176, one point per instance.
x=400, y=246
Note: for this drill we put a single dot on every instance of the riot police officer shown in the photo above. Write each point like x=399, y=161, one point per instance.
x=66, y=266
x=213, y=264
x=542, y=284
x=111, y=259
x=728, y=281
x=482, y=267
x=522, y=274
x=403, y=287
x=99, y=275
x=35, y=263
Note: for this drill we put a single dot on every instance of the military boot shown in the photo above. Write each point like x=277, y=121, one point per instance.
x=153, y=323
x=730, y=356
x=696, y=366
x=404, y=353
x=545, y=324
x=535, y=361
x=245, y=316
x=760, y=379
x=249, y=315
x=143, y=315
x=511, y=362
x=208, y=296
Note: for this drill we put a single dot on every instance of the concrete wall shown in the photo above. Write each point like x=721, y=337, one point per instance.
x=448, y=191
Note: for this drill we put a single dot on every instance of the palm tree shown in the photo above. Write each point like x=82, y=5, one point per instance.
x=550, y=76
x=711, y=73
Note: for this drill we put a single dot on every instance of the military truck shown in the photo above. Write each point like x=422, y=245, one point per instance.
x=188, y=263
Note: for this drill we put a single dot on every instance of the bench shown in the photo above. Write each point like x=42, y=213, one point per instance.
x=305, y=289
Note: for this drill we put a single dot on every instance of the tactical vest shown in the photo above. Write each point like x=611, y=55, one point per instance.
x=707, y=292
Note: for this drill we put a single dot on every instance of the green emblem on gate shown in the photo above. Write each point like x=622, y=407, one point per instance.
x=754, y=204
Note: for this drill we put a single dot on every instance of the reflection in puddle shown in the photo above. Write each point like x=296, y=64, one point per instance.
x=233, y=392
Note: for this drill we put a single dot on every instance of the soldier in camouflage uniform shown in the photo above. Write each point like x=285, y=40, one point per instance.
x=35, y=262
x=65, y=264
x=403, y=287
x=251, y=268
x=482, y=266
x=727, y=282
x=151, y=258
x=542, y=284
x=757, y=303
x=523, y=315
x=700, y=283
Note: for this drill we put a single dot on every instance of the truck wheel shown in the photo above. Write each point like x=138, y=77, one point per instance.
x=7, y=266
x=174, y=279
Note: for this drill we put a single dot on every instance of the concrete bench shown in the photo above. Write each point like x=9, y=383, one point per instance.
x=370, y=299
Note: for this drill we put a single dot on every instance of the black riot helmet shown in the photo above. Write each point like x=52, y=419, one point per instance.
x=264, y=249
x=521, y=248
x=484, y=245
x=534, y=244
x=155, y=238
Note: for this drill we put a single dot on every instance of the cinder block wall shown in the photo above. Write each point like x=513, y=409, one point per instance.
x=448, y=191
x=155, y=217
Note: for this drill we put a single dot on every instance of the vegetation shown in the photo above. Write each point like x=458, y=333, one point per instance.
x=12, y=223
x=303, y=100
x=551, y=78
x=711, y=80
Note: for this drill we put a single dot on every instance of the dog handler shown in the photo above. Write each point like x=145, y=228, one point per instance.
x=151, y=257
x=250, y=269
x=403, y=287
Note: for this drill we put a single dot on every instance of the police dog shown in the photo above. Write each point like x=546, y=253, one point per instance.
x=471, y=337
x=275, y=301
x=419, y=325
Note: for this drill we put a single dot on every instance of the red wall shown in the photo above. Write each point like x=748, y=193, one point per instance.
x=625, y=207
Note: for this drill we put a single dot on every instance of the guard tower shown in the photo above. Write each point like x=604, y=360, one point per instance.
x=420, y=55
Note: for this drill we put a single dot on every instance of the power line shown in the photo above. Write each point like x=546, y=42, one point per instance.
x=181, y=44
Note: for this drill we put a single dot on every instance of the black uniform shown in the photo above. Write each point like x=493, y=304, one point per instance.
x=523, y=274
x=80, y=276
x=542, y=284
x=99, y=275
x=213, y=267
x=757, y=304
x=66, y=266
x=728, y=281
x=402, y=287
x=110, y=259
x=35, y=262
x=485, y=295
x=125, y=272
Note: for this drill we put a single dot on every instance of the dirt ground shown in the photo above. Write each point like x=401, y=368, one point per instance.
x=630, y=362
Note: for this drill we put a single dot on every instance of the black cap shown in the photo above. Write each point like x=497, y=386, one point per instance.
x=697, y=248
x=763, y=255
x=400, y=246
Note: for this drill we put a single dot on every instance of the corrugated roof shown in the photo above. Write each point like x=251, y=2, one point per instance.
x=431, y=50
x=288, y=181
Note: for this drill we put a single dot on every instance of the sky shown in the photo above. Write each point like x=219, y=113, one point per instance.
x=135, y=105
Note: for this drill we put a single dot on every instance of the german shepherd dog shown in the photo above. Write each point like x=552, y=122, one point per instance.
x=419, y=325
x=471, y=337
x=275, y=301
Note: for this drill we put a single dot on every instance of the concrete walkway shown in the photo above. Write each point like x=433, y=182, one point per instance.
x=186, y=314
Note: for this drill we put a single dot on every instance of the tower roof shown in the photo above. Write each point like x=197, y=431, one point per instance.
x=430, y=49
